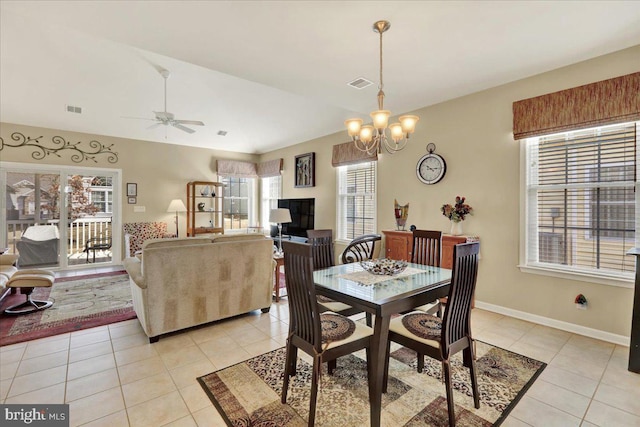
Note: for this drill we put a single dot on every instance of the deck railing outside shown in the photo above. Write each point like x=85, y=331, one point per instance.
x=80, y=230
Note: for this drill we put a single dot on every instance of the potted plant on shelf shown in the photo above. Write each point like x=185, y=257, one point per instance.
x=456, y=214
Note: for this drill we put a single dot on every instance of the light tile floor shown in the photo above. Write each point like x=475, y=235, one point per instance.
x=112, y=376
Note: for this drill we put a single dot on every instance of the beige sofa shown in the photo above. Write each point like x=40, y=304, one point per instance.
x=183, y=282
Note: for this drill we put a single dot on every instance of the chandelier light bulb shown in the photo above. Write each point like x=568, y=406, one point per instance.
x=353, y=127
x=380, y=119
x=366, y=134
x=409, y=124
x=396, y=132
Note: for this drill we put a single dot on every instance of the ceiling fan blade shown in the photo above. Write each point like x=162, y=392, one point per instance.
x=184, y=128
x=190, y=122
x=155, y=125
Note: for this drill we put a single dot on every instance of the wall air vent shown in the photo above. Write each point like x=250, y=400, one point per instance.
x=360, y=83
x=72, y=109
x=222, y=132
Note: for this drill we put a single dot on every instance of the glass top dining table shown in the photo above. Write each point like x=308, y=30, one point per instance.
x=381, y=296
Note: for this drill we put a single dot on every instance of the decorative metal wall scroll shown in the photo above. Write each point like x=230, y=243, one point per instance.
x=80, y=153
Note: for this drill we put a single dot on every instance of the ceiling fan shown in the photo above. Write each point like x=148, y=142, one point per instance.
x=168, y=119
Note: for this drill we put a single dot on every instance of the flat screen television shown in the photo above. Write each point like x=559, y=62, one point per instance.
x=302, y=216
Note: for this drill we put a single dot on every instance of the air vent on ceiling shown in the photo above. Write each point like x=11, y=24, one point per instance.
x=222, y=132
x=360, y=83
x=72, y=109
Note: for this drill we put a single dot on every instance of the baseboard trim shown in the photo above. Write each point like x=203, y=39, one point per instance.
x=558, y=324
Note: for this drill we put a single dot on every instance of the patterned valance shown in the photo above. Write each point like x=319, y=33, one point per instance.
x=270, y=168
x=237, y=169
x=610, y=101
x=348, y=154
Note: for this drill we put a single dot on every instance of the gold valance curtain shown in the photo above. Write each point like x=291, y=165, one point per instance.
x=270, y=168
x=348, y=154
x=236, y=169
x=610, y=101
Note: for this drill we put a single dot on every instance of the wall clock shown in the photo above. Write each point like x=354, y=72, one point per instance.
x=431, y=167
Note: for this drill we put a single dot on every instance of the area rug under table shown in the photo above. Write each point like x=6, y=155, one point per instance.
x=249, y=393
x=79, y=302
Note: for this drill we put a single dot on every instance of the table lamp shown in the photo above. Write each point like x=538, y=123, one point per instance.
x=176, y=206
x=280, y=216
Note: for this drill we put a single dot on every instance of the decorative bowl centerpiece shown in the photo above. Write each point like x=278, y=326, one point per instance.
x=384, y=266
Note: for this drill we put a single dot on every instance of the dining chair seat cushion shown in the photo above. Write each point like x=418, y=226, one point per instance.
x=323, y=299
x=430, y=307
x=332, y=305
x=359, y=331
x=419, y=326
x=336, y=327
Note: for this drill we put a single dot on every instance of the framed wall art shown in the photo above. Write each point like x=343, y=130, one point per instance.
x=305, y=170
x=131, y=200
x=132, y=189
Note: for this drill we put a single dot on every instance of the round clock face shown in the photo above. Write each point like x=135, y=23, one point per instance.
x=431, y=168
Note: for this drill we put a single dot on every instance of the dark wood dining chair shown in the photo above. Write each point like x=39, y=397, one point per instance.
x=427, y=247
x=321, y=242
x=362, y=248
x=441, y=338
x=325, y=337
x=427, y=250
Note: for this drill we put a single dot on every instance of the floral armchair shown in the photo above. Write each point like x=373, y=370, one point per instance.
x=135, y=233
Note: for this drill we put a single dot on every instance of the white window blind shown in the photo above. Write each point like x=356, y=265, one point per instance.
x=356, y=200
x=271, y=191
x=581, y=200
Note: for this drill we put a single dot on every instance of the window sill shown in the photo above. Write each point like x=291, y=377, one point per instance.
x=603, y=279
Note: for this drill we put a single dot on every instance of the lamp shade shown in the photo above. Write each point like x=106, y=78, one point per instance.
x=280, y=215
x=176, y=205
x=353, y=126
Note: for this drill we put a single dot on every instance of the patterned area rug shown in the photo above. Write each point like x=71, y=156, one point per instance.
x=79, y=303
x=249, y=393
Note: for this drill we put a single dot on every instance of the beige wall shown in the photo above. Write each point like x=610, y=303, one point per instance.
x=160, y=170
x=474, y=134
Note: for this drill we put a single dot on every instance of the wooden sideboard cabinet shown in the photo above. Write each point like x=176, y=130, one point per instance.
x=448, y=242
x=398, y=245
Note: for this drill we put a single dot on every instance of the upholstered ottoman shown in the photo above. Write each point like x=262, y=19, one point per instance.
x=27, y=280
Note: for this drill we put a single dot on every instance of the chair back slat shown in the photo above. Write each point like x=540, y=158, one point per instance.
x=427, y=247
x=361, y=248
x=304, y=316
x=321, y=242
x=456, y=322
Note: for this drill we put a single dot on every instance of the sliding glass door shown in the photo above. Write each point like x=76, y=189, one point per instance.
x=60, y=217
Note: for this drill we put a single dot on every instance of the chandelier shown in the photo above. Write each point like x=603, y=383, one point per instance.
x=372, y=138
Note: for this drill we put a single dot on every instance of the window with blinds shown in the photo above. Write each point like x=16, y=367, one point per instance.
x=581, y=200
x=271, y=191
x=239, y=203
x=356, y=200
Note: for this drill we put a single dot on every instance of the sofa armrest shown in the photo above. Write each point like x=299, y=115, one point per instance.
x=133, y=266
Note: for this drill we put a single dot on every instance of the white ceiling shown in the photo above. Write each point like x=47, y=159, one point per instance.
x=275, y=73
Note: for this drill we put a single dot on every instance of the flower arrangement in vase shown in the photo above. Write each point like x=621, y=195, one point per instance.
x=456, y=214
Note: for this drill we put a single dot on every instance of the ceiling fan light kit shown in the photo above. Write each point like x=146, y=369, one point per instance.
x=372, y=138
